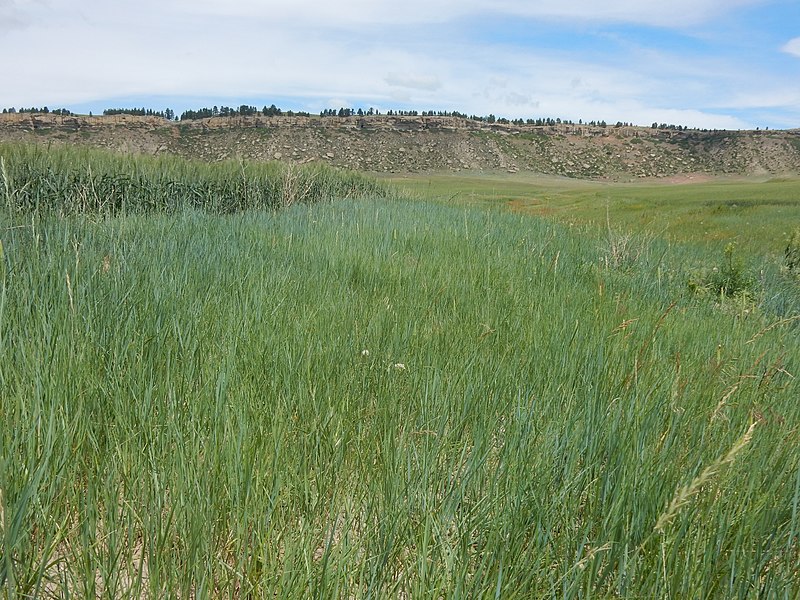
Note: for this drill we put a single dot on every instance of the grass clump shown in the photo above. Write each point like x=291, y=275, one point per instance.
x=623, y=250
x=729, y=279
x=792, y=252
x=70, y=181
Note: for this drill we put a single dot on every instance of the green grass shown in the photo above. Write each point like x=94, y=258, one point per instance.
x=70, y=181
x=757, y=215
x=384, y=398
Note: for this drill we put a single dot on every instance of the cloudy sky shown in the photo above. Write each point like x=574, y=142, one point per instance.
x=704, y=63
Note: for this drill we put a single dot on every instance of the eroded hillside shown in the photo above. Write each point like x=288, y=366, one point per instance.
x=386, y=144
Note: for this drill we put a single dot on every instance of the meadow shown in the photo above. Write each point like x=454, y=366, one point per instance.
x=757, y=214
x=380, y=397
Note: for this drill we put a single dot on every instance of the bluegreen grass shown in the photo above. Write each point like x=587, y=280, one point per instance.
x=381, y=399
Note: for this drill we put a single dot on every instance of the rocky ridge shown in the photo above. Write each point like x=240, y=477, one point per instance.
x=400, y=144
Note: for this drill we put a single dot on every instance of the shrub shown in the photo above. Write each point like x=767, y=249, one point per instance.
x=729, y=279
x=792, y=252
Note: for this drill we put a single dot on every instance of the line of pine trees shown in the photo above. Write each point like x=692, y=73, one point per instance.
x=43, y=110
x=243, y=111
x=670, y=126
x=273, y=111
x=168, y=113
x=349, y=112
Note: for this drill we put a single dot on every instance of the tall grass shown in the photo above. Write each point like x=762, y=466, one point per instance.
x=758, y=216
x=71, y=180
x=371, y=399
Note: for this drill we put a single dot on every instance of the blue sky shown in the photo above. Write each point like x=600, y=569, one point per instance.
x=731, y=64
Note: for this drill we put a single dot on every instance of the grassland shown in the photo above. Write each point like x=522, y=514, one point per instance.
x=69, y=181
x=757, y=215
x=382, y=398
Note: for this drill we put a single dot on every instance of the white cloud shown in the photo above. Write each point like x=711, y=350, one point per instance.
x=356, y=13
x=84, y=51
x=16, y=14
x=339, y=103
x=414, y=81
x=522, y=100
x=792, y=47
x=264, y=62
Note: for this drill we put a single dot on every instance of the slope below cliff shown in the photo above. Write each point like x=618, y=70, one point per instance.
x=394, y=144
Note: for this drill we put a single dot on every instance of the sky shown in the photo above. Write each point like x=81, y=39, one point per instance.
x=712, y=64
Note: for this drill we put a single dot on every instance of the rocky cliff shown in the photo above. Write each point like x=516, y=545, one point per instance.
x=420, y=144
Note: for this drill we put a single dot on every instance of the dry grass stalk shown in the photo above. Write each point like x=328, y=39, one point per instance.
x=773, y=326
x=684, y=495
x=723, y=401
x=623, y=327
x=69, y=294
x=638, y=361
